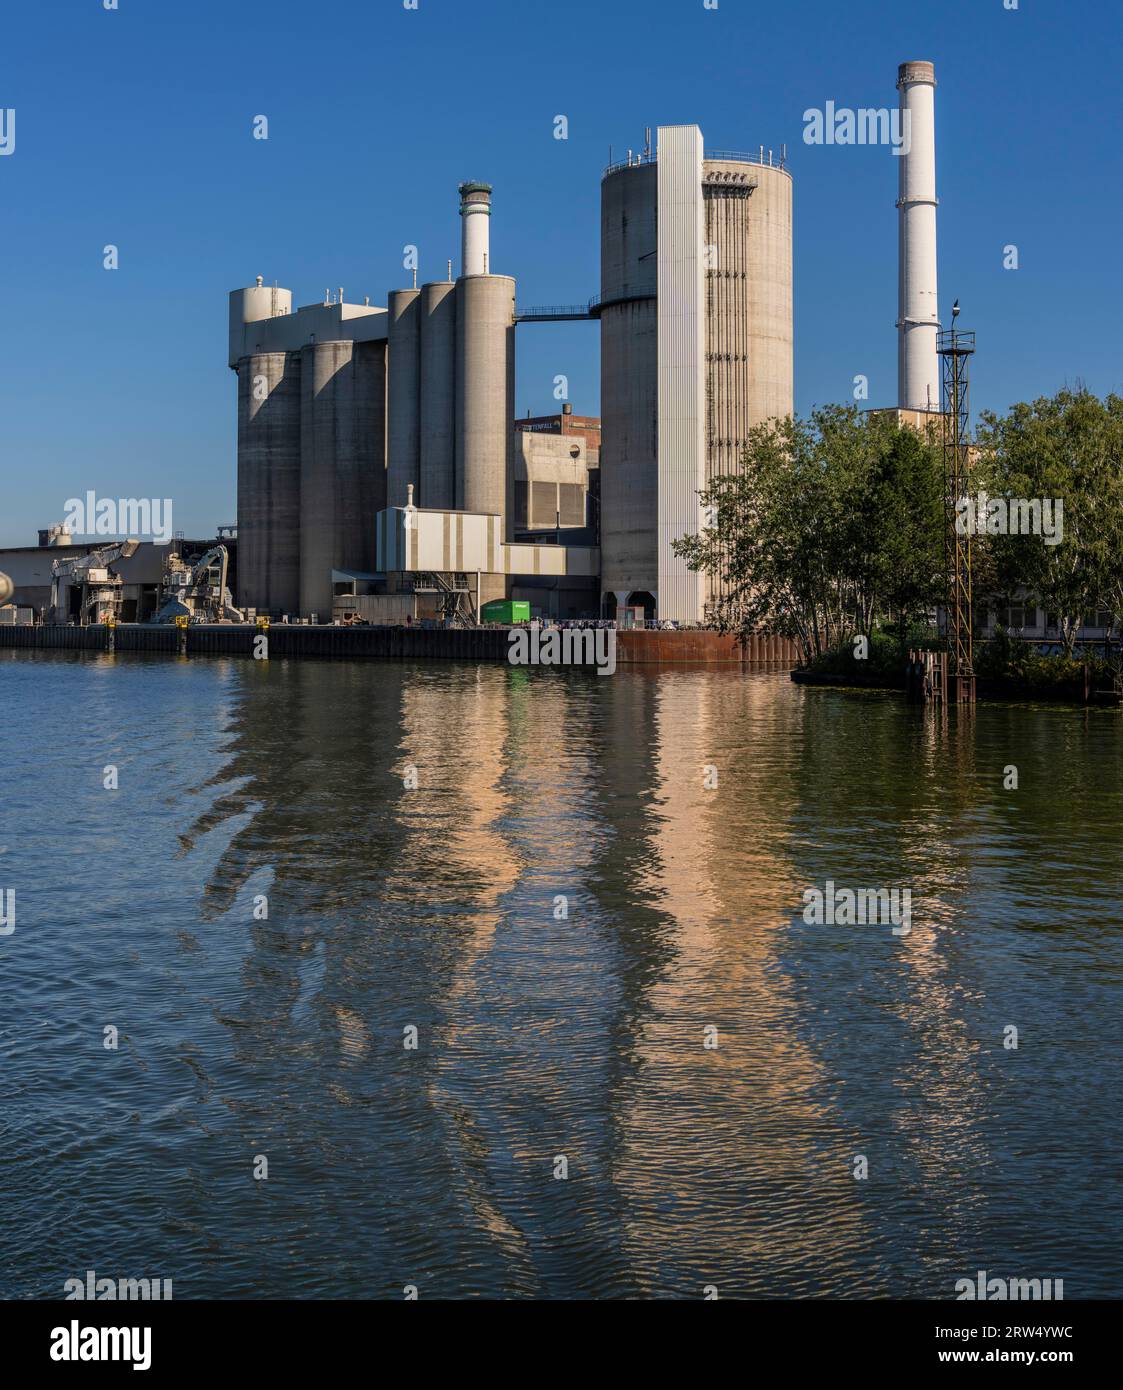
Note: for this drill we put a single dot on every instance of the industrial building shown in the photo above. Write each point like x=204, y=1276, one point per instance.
x=696, y=349
x=137, y=574
x=351, y=416
x=344, y=408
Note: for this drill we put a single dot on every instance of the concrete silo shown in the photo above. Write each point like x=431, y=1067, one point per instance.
x=438, y=396
x=696, y=349
x=249, y=309
x=485, y=366
x=629, y=381
x=269, y=482
x=342, y=474
x=403, y=438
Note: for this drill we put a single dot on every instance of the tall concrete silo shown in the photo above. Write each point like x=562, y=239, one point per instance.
x=269, y=482
x=485, y=366
x=403, y=438
x=485, y=389
x=342, y=464
x=438, y=396
x=629, y=381
x=696, y=348
x=918, y=319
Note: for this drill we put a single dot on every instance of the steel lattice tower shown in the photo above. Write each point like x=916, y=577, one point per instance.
x=955, y=349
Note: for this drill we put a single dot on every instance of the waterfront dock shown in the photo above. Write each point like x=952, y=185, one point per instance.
x=633, y=647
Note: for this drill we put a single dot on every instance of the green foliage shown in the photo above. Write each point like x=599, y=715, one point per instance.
x=832, y=522
x=1008, y=658
x=885, y=660
x=1067, y=447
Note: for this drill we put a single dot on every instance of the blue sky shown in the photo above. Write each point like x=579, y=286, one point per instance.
x=134, y=127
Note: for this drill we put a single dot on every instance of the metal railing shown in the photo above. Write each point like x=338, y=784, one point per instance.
x=768, y=158
x=546, y=313
x=543, y=313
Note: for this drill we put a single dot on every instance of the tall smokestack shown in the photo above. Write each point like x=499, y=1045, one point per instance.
x=918, y=379
x=475, y=209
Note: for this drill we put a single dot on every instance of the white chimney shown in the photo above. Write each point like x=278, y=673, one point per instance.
x=475, y=210
x=918, y=377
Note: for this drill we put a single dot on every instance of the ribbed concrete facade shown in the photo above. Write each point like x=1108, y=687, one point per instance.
x=485, y=386
x=342, y=475
x=749, y=340
x=269, y=481
x=438, y=397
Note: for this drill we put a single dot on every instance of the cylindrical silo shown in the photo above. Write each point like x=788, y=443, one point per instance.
x=438, y=396
x=485, y=377
x=253, y=305
x=918, y=319
x=629, y=382
x=341, y=478
x=269, y=482
x=404, y=395
x=746, y=371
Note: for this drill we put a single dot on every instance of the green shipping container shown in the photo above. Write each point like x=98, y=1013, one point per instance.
x=506, y=610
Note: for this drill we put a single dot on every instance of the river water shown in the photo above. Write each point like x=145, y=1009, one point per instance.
x=638, y=1071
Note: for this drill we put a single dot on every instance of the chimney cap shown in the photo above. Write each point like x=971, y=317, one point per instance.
x=918, y=70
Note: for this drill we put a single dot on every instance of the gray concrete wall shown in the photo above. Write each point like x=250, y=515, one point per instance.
x=438, y=396
x=269, y=445
x=629, y=380
x=403, y=436
x=342, y=477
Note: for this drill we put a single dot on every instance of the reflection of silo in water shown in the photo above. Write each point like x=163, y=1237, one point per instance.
x=404, y=394
x=454, y=733
x=269, y=482
x=438, y=396
x=341, y=479
x=485, y=377
x=708, y=869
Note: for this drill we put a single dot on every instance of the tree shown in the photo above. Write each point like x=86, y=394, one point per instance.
x=1065, y=449
x=832, y=522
